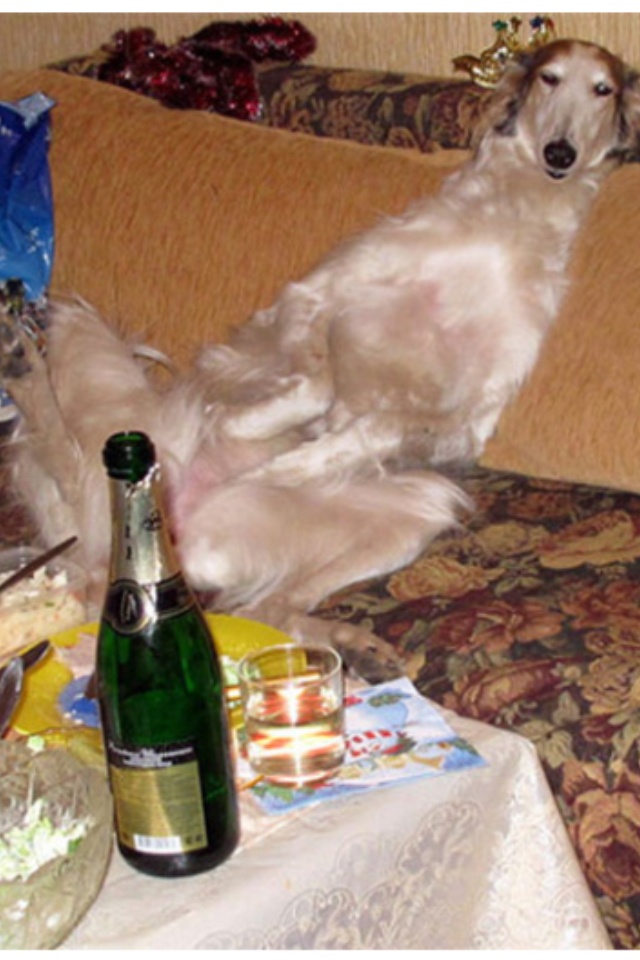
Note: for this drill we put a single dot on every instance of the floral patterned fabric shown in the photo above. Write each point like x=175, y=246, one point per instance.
x=527, y=617
x=375, y=108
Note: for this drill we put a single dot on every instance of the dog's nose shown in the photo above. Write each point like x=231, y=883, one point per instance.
x=560, y=155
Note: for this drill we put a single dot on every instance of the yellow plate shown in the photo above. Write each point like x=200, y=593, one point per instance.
x=39, y=711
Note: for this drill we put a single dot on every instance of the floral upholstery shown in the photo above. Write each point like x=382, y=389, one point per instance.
x=528, y=617
x=376, y=108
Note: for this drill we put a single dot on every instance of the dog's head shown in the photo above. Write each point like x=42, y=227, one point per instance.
x=571, y=106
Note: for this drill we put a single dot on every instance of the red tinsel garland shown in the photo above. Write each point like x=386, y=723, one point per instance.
x=211, y=70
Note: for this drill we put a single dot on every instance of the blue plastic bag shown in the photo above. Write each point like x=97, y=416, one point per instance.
x=26, y=202
x=26, y=235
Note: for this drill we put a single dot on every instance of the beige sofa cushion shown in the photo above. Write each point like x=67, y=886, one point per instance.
x=178, y=224
x=578, y=417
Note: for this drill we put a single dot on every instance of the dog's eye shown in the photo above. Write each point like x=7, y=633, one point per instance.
x=602, y=89
x=549, y=79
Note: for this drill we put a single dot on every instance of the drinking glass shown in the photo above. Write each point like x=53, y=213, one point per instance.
x=292, y=698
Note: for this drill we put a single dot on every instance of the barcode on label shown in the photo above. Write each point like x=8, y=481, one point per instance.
x=147, y=844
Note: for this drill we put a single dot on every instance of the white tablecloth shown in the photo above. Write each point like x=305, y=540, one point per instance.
x=470, y=860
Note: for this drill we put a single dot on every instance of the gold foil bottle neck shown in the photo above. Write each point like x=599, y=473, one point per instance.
x=141, y=544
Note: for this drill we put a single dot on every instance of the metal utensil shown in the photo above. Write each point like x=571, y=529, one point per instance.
x=10, y=690
x=29, y=657
x=36, y=563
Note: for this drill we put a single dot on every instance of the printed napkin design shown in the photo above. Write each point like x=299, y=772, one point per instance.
x=393, y=735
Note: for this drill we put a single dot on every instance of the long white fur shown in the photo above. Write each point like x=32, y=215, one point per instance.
x=286, y=452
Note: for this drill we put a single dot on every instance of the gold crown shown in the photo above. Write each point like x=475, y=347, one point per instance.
x=487, y=69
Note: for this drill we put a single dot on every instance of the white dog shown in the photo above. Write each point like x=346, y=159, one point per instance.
x=292, y=455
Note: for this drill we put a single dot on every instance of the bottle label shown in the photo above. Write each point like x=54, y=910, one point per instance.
x=130, y=607
x=158, y=798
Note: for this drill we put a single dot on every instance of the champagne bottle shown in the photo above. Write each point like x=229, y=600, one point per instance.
x=160, y=688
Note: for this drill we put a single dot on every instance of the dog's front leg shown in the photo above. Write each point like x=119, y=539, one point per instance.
x=302, y=400
x=275, y=374
x=368, y=440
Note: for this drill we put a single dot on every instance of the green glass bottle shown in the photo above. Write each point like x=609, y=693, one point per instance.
x=160, y=688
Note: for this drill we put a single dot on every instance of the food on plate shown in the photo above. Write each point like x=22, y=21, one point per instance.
x=25, y=848
x=47, y=602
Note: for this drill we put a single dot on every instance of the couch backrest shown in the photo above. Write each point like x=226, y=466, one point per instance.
x=178, y=224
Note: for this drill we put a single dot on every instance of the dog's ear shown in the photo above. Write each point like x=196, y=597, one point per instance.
x=629, y=117
x=502, y=107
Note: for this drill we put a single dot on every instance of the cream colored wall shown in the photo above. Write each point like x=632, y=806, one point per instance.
x=421, y=42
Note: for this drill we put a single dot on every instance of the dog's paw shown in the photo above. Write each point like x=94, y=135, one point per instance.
x=364, y=653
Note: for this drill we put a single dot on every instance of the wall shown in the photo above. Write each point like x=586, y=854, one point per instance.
x=419, y=42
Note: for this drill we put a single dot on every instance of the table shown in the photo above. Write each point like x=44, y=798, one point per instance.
x=478, y=859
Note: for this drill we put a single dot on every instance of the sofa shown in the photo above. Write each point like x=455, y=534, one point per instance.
x=177, y=224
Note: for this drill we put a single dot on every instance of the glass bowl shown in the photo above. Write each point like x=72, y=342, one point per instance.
x=39, y=909
x=51, y=600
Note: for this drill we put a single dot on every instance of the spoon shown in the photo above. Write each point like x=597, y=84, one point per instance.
x=10, y=690
x=30, y=657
